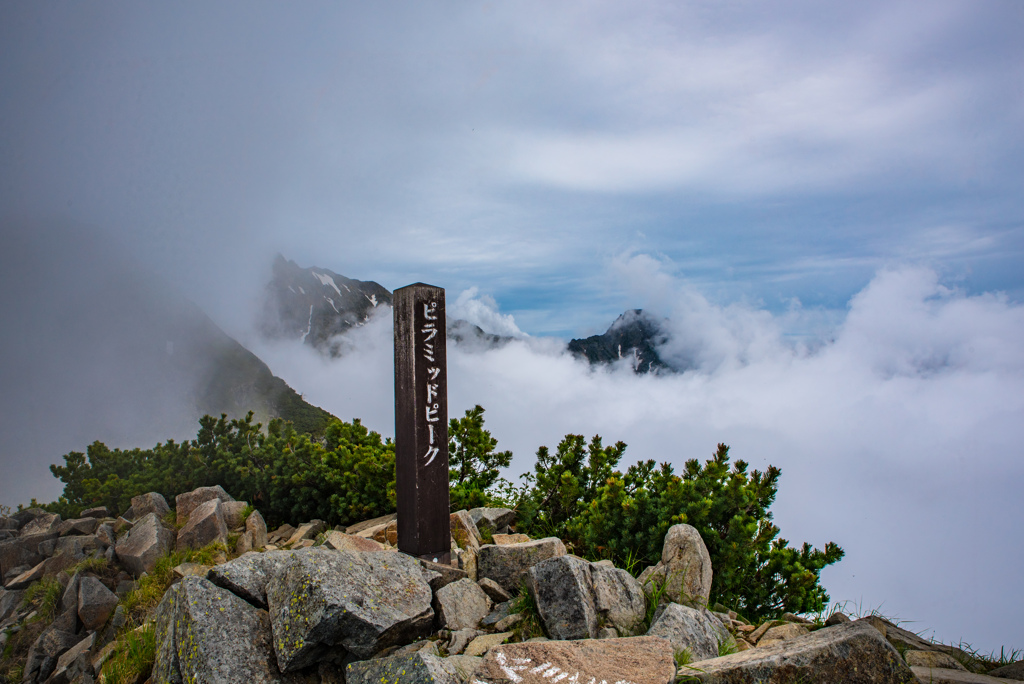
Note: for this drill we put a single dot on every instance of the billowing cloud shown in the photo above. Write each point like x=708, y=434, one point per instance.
x=898, y=433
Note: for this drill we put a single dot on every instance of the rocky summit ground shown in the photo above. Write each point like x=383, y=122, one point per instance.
x=205, y=593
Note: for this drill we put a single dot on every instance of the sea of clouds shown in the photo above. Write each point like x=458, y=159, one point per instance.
x=898, y=428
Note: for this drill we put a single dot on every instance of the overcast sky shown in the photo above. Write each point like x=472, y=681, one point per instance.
x=825, y=199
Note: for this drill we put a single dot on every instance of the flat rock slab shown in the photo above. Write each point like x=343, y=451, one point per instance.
x=853, y=653
x=505, y=539
x=207, y=634
x=461, y=605
x=506, y=564
x=363, y=602
x=367, y=525
x=1011, y=671
x=340, y=541
x=632, y=660
x=938, y=675
x=419, y=668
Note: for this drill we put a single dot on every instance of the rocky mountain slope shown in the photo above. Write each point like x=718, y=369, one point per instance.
x=635, y=336
x=205, y=593
x=315, y=305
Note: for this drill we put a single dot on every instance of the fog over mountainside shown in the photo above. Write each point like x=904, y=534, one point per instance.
x=95, y=348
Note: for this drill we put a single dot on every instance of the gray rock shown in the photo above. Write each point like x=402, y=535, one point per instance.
x=938, y=675
x=1011, y=671
x=23, y=550
x=185, y=503
x=247, y=575
x=307, y=531
x=461, y=605
x=639, y=660
x=26, y=578
x=46, y=523
x=105, y=535
x=350, y=542
x=932, y=659
x=257, y=527
x=150, y=502
x=244, y=543
x=205, y=525
x=10, y=601
x=607, y=633
x=687, y=565
x=441, y=575
x=494, y=590
x=95, y=603
x=23, y=517
x=852, y=653
x=836, y=619
x=207, y=634
x=491, y=520
x=459, y=640
x=419, y=668
x=692, y=629
x=7, y=523
x=73, y=662
x=482, y=644
x=233, y=511
x=507, y=564
x=367, y=525
x=76, y=547
x=465, y=666
x=500, y=612
x=464, y=531
x=78, y=526
x=96, y=512
x=362, y=601
x=563, y=591
x=782, y=633
x=45, y=652
x=619, y=598
x=148, y=539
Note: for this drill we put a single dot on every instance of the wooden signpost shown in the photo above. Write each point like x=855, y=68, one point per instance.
x=421, y=423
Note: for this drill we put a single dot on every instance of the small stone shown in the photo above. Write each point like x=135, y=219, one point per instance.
x=692, y=629
x=483, y=644
x=836, y=619
x=492, y=520
x=607, y=633
x=932, y=659
x=362, y=528
x=494, y=590
x=190, y=570
x=350, y=542
x=782, y=632
x=464, y=531
x=96, y=512
x=506, y=539
x=308, y=531
x=418, y=668
x=507, y=623
x=244, y=543
x=459, y=639
x=441, y=575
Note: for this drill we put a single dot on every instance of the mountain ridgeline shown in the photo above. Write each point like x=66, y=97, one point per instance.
x=316, y=305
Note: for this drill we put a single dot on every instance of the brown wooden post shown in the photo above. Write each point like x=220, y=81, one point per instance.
x=421, y=422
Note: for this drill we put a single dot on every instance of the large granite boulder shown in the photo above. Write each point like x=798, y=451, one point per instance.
x=362, y=602
x=148, y=539
x=247, y=575
x=563, y=591
x=95, y=603
x=23, y=551
x=185, y=503
x=684, y=569
x=78, y=526
x=638, y=660
x=96, y=512
x=441, y=574
x=207, y=634
x=205, y=525
x=150, y=502
x=42, y=658
x=852, y=653
x=618, y=598
x=491, y=520
x=461, y=605
x=418, y=668
x=691, y=629
x=46, y=523
x=507, y=564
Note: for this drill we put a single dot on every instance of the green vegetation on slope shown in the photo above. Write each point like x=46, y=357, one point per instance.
x=575, y=493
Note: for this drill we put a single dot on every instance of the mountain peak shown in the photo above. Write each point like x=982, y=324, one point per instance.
x=635, y=335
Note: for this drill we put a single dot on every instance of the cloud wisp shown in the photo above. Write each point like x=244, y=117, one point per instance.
x=898, y=433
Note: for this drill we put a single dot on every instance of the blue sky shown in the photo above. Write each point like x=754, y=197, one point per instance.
x=826, y=200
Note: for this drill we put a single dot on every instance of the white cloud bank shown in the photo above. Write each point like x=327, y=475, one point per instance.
x=899, y=435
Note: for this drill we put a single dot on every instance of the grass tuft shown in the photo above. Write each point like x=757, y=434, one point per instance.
x=523, y=604
x=133, y=659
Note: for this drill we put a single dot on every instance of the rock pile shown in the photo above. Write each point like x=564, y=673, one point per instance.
x=310, y=604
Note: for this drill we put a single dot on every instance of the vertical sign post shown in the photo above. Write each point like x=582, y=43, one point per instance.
x=421, y=423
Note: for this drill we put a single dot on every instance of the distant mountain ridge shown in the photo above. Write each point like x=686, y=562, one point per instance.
x=315, y=305
x=634, y=335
